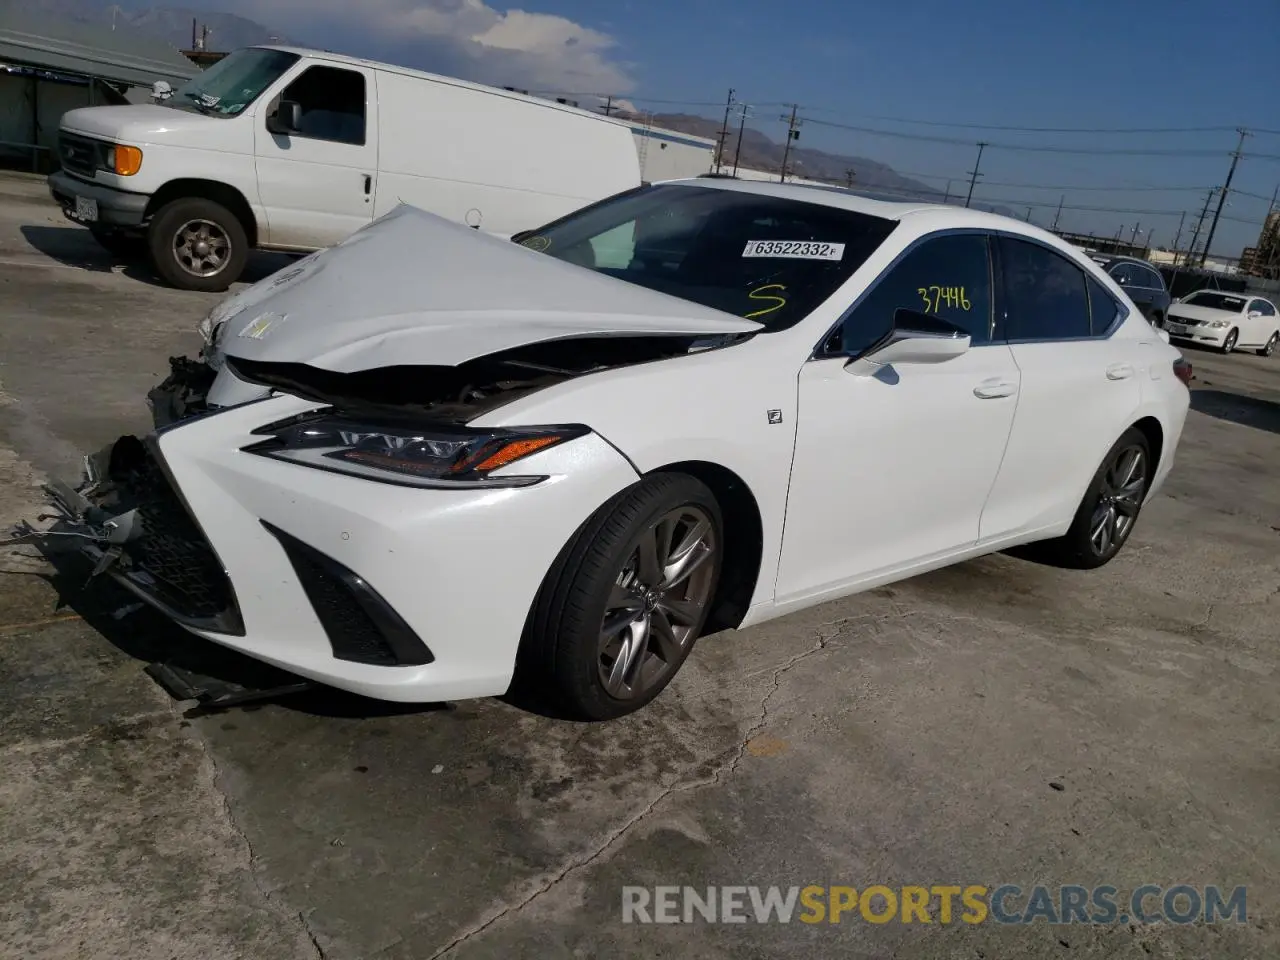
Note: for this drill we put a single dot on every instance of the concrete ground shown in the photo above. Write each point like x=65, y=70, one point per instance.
x=995, y=722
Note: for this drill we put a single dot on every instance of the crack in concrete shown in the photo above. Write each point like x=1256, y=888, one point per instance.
x=271, y=903
x=723, y=771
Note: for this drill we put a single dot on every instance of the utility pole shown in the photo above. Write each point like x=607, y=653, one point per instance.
x=1134, y=238
x=848, y=178
x=608, y=105
x=792, y=134
x=742, y=124
x=947, y=196
x=1027, y=218
x=974, y=173
x=724, y=133
x=1222, y=197
x=1061, y=201
x=1195, y=236
x=1178, y=237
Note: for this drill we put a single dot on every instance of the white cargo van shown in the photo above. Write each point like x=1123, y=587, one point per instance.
x=286, y=149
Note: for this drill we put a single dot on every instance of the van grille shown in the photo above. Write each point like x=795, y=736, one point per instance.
x=79, y=154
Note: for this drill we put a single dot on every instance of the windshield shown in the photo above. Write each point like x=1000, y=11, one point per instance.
x=1216, y=301
x=234, y=82
x=763, y=258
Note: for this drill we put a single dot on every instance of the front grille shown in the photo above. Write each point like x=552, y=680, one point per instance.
x=176, y=560
x=361, y=626
x=79, y=154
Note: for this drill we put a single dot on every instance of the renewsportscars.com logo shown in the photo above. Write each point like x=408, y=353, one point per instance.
x=941, y=903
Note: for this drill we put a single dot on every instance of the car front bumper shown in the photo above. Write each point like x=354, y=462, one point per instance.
x=1196, y=333
x=393, y=592
x=116, y=208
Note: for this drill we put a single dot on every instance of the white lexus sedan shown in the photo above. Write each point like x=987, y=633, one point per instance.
x=435, y=463
x=1226, y=321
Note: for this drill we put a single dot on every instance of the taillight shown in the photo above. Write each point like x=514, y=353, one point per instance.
x=1182, y=370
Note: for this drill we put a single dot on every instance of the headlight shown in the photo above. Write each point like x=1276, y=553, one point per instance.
x=404, y=453
x=1218, y=324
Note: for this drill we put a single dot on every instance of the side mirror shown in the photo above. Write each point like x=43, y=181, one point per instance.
x=1176, y=300
x=915, y=338
x=160, y=90
x=1254, y=314
x=287, y=119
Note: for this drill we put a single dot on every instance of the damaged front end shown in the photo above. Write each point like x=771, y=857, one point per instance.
x=183, y=394
x=129, y=521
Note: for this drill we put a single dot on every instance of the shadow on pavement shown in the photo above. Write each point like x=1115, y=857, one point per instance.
x=1247, y=411
x=76, y=247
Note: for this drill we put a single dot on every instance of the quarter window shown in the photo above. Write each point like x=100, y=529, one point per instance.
x=1103, y=308
x=332, y=104
x=1045, y=296
x=948, y=277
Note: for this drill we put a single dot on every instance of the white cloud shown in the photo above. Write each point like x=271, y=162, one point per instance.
x=466, y=38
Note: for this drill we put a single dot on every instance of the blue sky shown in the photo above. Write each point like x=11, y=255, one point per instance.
x=1127, y=64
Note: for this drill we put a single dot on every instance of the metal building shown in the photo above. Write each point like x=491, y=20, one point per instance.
x=667, y=155
x=50, y=65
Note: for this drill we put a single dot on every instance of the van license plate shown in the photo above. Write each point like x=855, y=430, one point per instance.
x=86, y=209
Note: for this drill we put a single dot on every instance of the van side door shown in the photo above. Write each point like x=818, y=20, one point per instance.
x=317, y=181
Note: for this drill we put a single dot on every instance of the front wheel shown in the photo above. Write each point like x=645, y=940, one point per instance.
x=1107, y=514
x=624, y=602
x=1229, y=344
x=197, y=244
x=1270, y=347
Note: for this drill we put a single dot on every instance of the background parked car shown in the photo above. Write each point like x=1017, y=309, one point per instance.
x=1143, y=283
x=1226, y=321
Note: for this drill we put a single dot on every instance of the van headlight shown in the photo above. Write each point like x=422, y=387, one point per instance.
x=406, y=454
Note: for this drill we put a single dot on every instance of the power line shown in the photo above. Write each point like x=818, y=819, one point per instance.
x=1031, y=148
x=1015, y=128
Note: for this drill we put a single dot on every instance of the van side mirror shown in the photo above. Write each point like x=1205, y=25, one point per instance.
x=915, y=338
x=287, y=119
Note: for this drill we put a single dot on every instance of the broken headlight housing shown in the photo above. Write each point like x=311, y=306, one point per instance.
x=406, y=453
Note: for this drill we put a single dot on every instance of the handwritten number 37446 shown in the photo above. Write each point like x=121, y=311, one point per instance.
x=935, y=298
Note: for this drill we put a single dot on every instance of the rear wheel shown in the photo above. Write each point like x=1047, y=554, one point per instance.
x=626, y=599
x=197, y=244
x=1107, y=514
x=1270, y=347
x=1229, y=344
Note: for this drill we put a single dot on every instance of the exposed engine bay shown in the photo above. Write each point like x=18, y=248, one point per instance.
x=448, y=394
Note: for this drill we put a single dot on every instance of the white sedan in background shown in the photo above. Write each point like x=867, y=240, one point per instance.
x=457, y=461
x=1226, y=321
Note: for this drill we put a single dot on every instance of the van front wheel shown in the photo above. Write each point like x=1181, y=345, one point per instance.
x=197, y=244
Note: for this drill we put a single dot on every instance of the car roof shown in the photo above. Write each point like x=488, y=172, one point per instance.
x=867, y=203
x=1110, y=258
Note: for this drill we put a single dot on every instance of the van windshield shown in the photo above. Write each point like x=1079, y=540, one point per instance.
x=765, y=258
x=234, y=82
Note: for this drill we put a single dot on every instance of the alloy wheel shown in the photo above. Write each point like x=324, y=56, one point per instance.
x=1270, y=348
x=658, y=602
x=201, y=248
x=1230, y=343
x=1123, y=484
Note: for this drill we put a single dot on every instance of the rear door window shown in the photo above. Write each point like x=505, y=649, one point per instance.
x=1045, y=294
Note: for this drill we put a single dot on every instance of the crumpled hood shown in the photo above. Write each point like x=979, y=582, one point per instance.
x=414, y=288
x=1189, y=311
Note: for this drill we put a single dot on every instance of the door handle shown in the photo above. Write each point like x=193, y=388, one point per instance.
x=368, y=184
x=1120, y=371
x=993, y=389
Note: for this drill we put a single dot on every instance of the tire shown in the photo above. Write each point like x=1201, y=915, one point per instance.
x=1229, y=344
x=600, y=641
x=213, y=267
x=1078, y=549
x=121, y=245
x=1270, y=347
